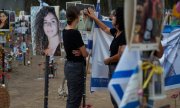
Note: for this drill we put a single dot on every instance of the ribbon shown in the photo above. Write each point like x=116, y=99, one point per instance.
x=2, y=33
x=152, y=69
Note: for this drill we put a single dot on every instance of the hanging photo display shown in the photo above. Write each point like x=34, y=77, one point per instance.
x=143, y=23
x=2, y=37
x=24, y=23
x=17, y=25
x=45, y=30
x=12, y=16
x=85, y=23
x=4, y=20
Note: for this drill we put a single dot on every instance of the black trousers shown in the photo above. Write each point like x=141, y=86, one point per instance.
x=74, y=73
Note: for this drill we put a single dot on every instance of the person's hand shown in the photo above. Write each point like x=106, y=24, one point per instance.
x=48, y=51
x=76, y=52
x=90, y=12
x=107, y=61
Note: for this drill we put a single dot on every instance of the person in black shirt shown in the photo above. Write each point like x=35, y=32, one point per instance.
x=118, y=44
x=76, y=53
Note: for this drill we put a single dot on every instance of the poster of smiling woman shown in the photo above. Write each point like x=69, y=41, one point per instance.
x=4, y=20
x=45, y=30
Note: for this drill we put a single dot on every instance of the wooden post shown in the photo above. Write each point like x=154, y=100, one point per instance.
x=46, y=84
x=3, y=65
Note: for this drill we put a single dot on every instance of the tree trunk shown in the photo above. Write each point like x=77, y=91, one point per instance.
x=109, y=5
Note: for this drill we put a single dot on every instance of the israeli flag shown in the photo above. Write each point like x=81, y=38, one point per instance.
x=90, y=38
x=98, y=9
x=99, y=76
x=126, y=80
x=171, y=58
x=100, y=50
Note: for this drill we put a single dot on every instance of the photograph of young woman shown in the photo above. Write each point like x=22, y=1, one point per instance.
x=47, y=35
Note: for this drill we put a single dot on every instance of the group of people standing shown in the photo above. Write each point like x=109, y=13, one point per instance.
x=76, y=53
x=75, y=65
x=48, y=38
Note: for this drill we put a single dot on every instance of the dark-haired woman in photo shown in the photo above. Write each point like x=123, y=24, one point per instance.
x=47, y=35
x=4, y=20
x=118, y=44
x=76, y=53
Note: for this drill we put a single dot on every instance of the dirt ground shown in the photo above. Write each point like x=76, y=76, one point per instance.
x=26, y=88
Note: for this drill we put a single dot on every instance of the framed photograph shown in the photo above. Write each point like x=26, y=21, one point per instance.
x=4, y=20
x=24, y=24
x=45, y=30
x=143, y=23
x=2, y=39
x=85, y=23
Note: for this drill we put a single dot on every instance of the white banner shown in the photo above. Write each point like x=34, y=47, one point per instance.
x=99, y=78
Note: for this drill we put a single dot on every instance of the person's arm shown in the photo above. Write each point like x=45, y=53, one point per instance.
x=80, y=44
x=116, y=57
x=92, y=15
x=48, y=52
x=112, y=59
x=83, y=51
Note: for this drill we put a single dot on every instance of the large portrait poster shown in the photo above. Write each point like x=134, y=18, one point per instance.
x=143, y=23
x=45, y=30
x=4, y=20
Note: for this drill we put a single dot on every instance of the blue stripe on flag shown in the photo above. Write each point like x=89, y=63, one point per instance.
x=169, y=28
x=134, y=104
x=118, y=90
x=98, y=9
x=172, y=80
x=107, y=23
x=125, y=73
x=90, y=44
x=99, y=82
